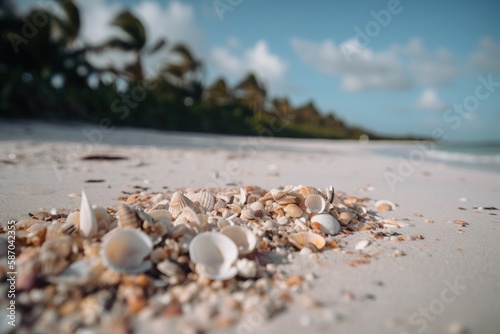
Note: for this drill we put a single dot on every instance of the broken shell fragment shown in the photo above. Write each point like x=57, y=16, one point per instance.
x=385, y=205
x=88, y=221
x=329, y=225
x=362, y=244
x=315, y=203
x=214, y=255
x=125, y=251
x=246, y=268
x=303, y=239
x=244, y=239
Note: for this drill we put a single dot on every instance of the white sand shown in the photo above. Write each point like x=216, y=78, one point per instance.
x=47, y=168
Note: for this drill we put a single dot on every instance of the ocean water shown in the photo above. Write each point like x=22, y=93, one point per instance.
x=485, y=156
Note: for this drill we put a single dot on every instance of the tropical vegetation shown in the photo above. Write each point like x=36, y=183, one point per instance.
x=46, y=72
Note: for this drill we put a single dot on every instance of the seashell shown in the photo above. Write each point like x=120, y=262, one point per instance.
x=61, y=246
x=177, y=203
x=305, y=191
x=246, y=268
x=88, y=221
x=385, y=205
x=303, y=239
x=74, y=218
x=244, y=239
x=214, y=255
x=247, y=215
x=158, y=255
x=205, y=199
x=243, y=197
x=345, y=217
x=315, y=203
x=163, y=215
x=330, y=194
x=220, y=204
x=329, y=225
x=293, y=210
x=102, y=216
x=362, y=244
x=52, y=263
x=278, y=194
x=223, y=222
x=170, y=269
x=79, y=273
x=283, y=220
x=287, y=199
x=191, y=218
x=125, y=250
x=127, y=217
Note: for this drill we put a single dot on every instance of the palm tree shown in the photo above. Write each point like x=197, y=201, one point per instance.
x=218, y=92
x=188, y=73
x=251, y=93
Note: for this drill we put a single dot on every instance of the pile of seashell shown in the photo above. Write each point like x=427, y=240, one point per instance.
x=211, y=253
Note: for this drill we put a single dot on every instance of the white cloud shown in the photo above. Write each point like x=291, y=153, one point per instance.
x=429, y=100
x=361, y=69
x=258, y=59
x=436, y=69
x=487, y=58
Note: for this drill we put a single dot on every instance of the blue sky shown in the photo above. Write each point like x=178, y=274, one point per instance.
x=399, y=76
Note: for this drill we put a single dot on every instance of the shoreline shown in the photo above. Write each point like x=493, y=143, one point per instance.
x=433, y=191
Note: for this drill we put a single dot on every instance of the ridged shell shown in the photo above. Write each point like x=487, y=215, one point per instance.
x=125, y=250
x=205, y=199
x=244, y=239
x=308, y=190
x=315, y=203
x=303, y=239
x=88, y=221
x=177, y=203
x=215, y=255
x=127, y=217
x=329, y=225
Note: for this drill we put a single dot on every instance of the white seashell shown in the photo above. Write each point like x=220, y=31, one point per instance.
x=73, y=218
x=214, y=255
x=278, y=193
x=102, y=216
x=127, y=217
x=315, y=203
x=283, y=220
x=293, y=210
x=247, y=215
x=88, y=221
x=329, y=225
x=177, y=203
x=246, y=268
x=125, y=251
x=78, y=273
x=304, y=239
x=244, y=239
x=362, y=244
x=330, y=194
x=205, y=199
x=385, y=205
x=223, y=222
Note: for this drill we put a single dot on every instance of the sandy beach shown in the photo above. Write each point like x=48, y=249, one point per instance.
x=449, y=282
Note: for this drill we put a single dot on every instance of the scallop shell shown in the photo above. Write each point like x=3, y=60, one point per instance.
x=308, y=190
x=244, y=239
x=303, y=239
x=178, y=202
x=385, y=205
x=315, y=203
x=205, y=199
x=329, y=225
x=214, y=255
x=88, y=221
x=125, y=250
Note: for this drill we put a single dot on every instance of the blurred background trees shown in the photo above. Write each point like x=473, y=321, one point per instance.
x=46, y=72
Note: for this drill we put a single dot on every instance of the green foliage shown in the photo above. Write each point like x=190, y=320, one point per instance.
x=45, y=74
